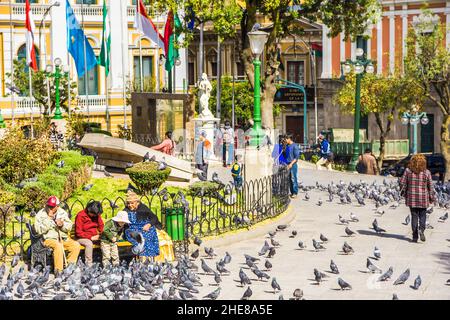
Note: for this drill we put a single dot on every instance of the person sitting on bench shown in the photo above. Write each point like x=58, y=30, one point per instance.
x=88, y=227
x=53, y=223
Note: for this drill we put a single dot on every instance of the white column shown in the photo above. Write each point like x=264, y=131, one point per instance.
x=342, y=45
x=119, y=31
x=326, y=43
x=369, y=41
x=379, y=47
x=58, y=32
x=404, y=32
x=447, y=24
x=353, y=51
x=391, y=41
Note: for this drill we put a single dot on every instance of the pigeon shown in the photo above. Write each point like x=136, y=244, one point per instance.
x=247, y=257
x=323, y=238
x=227, y=258
x=185, y=295
x=195, y=254
x=162, y=165
x=394, y=296
x=268, y=265
x=213, y=295
x=107, y=174
x=60, y=164
x=88, y=187
x=201, y=176
x=353, y=217
x=376, y=227
x=317, y=245
x=20, y=290
x=444, y=217
x=380, y=211
x=264, y=249
x=301, y=245
x=344, y=285
x=403, y=277
x=319, y=202
x=298, y=294
x=417, y=283
x=307, y=197
x=15, y=261
x=260, y=274
x=272, y=252
x=206, y=268
x=274, y=243
x=342, y=220
x=197, y=241
x=349, y=232
x=247, y=294
x=334, y=267
x=256, y=27
x=347, y=249
x=293, y=234
x=281, y=227
x=372, y=267
x=280, y=297
x=244, y=279
x=217, y=278
x=275, y=285
x=377, y=253
x=221, y=268
x=387, y=275
x=318, y=276
x=147, y=157
x=407, y=220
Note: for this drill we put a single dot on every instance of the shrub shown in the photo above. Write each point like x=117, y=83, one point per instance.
x=208, y=187
x=22, y=158
x=315, y=158
x=146, y=176
x=7, y=209
x=61, y=182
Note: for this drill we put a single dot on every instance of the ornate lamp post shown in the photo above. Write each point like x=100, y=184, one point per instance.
x=57, y=75
x=257, y=41
x=360, y=66
x=414, y=118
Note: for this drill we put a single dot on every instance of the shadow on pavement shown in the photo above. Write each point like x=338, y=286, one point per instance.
x=383, y=235
x=444, y=259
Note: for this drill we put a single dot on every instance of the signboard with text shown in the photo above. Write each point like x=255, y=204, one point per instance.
x=293, y=95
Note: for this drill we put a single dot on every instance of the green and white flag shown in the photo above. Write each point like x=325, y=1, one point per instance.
x=106, y=40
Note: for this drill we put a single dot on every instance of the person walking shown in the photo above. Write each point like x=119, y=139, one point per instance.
x=228, y=144
x=202, y=154
x=367, y=163
x=326, y=156
x=292, y=158
x=167, y=146
x=416, y=186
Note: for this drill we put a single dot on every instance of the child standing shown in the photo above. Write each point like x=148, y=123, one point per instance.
x=236, y=171
x=108, y=239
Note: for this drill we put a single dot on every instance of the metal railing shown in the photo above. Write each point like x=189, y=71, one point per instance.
x=94, y=101
x=211, y=213
x=37, y=9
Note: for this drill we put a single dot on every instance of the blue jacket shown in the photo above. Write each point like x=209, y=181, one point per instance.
x=325, y=148
x=293, y=152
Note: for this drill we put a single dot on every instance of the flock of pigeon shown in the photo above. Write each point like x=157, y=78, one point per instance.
x=184, y=279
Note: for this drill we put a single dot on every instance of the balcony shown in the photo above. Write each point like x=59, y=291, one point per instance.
x=96, y=102
x=37, y=10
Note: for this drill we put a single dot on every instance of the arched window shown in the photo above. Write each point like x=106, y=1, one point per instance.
x=22, y=54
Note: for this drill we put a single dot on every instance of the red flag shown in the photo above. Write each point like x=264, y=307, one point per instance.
x=168, y=30
x=29, y=24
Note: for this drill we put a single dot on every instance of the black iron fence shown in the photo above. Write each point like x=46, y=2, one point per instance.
x=206, y=212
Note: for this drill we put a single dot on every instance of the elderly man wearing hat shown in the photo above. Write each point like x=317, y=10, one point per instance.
x=202, y=154
x=108, y=239
x=53, y=223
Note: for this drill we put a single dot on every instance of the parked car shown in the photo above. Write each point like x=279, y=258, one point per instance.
x=435, y=163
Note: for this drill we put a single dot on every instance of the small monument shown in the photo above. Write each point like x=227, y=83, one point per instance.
x=205, y=122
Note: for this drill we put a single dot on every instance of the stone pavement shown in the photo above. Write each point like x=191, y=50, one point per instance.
x=293, y=268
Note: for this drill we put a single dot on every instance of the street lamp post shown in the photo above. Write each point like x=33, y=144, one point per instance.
x=360, y=66
x=414, y=118
x=257, y=41
x=57, y=75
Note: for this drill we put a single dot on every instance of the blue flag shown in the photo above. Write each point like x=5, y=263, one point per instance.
x=76, y=40
x=191, y=23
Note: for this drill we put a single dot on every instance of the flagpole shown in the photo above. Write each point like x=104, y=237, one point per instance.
x=86, y=93
x=157, y=70
x=123, y=69
x=11, y=58
x=31, y=99
x=140, y=50
x=107, y=58
x=69, y=97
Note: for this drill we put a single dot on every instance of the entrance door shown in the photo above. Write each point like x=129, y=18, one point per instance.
x=427, y=135
x=294, y=125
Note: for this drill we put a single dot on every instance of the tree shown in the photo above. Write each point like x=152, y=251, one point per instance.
x=427, y=65
x=385, y=97
x=39, y=86
x=350, y=17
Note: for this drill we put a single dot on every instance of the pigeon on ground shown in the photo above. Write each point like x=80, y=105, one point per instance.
x=15, y=261
x=387, y=275
x=394, y=296
x=293, y=234
x=282, y=227
x=274, y=242
x=372, y=267
x=349, y=232
x=307, y=197
x=353, y=217
x=213, y=295
x=444, y=217
x=107, y=174
x=376, y=227
x=407, y=220
x=342, y=220
x=403, y=277
x=227, y=258
x=272, y=252
x=195, y=254
x=197, y=241
x=275, y=285
x=248, y=257
x=260, y=274
x=244, y=279
x=317, y=245
x=347, y=249
x=217, y=278
x=377, y=253
x=298, y=294
x=323, y=238
x=207, y=269
x=221, y=268
x=301, y=245
x=417, y=283
x=247, y=294
x=344, y=285
x=318, y=276
x=268, y=265
x=334, y=267
x=60, y=164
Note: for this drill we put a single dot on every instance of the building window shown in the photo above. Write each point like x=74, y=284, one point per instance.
x=23, y=1
x=296, y=72
x=139, y=111
x=22, y=55
x=240, y=71
x=87, y=1
x=92, y=85
x=147, y=71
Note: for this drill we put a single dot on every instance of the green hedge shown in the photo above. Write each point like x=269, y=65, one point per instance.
x=146, y=176
x=58, y=181
x=208, y=187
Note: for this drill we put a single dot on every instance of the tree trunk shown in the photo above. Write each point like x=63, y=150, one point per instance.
x=444, y=145
x=382, y=151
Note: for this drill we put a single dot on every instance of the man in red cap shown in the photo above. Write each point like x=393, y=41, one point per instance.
x=54, y=225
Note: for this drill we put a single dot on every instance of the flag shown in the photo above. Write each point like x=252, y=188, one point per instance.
x=317, y=49
x=191, y=22
x=77, y=42
x=31, y=51
x=169, y=39
x=106, y=41
x=145, y=25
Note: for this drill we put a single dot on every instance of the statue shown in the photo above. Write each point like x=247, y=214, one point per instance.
x=205, y=92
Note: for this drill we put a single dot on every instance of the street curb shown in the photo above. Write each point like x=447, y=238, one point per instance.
x=258, y=230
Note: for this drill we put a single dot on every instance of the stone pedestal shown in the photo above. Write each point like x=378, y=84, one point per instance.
x=206, y=124
x=258, y=163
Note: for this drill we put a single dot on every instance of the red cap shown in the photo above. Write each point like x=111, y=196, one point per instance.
x=52, y=201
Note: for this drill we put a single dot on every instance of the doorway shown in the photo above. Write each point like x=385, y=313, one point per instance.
x=294, y=125
x=427, y=135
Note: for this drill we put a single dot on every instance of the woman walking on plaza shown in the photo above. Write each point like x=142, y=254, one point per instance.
x=416, y=184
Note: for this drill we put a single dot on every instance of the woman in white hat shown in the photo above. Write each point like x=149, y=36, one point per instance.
x=108, y=239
